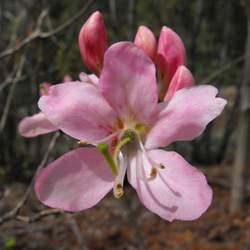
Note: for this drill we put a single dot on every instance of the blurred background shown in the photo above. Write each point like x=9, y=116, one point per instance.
x=39, y=42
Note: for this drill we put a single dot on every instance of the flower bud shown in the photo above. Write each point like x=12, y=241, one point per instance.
x=170, y=54
x=182, y=78
x=93, y=42
x=146, y=40
x=44, y=88
x=67, y=78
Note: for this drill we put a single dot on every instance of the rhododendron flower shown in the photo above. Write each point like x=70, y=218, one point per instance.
x=38, y=124
x=122, y=119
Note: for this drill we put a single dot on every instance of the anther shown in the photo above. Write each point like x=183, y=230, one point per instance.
x=162, y=166
x=153, y=173
x=118, y=191
x=82, y=143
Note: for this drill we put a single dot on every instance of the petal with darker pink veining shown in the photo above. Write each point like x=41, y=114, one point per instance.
x=35, y=125
x=75, y=181
x=79, y=110
x=128, y=81
x=185, y=116
x=178, y=192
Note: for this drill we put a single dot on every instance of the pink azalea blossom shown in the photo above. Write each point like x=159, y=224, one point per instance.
x=122, y=119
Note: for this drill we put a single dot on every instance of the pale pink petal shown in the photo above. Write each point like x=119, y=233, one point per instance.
x=128, y=81
x=79, y=110
x=182, y=78
x=35, y=125
x=76, y=181
x=145, y=39
x=92, y=78
x=186, y=116
x=170, y=53
x=179, y=191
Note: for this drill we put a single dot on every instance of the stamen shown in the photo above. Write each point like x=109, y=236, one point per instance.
x=123, y=142
x=141, y=170
x=153, y=172
x=162, y=166
x=118, y=185
x=107, y=138
x=82, y=143
x=118, y=191
x=139, y=127
x=151, y=161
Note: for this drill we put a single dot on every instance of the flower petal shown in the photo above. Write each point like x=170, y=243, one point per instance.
x=186, y=116
x=182, y=78
x=92, y=78
x=128, y=81
x=179, y=191
x=76, y=181
x=79, y=110
x=35, y=125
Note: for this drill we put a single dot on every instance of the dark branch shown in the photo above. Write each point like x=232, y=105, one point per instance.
x=43, y=35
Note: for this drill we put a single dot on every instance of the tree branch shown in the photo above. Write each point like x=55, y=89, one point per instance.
x=43, y=35
x=11, y=93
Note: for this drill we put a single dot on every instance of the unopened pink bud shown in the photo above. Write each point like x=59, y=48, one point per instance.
x=44, y=88
x=170, y=54
x=145, y=39
x=182, y=78
x=93, y=42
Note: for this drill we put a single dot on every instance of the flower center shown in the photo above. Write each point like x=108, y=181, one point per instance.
x=128, y=147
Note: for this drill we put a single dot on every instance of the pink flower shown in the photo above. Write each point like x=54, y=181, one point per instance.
x=127, y=126
x=38, y=124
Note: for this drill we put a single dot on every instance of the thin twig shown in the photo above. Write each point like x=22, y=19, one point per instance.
x=77, y=232
x=11, y=94
x=38, y=216
x=7, y=81
x=39, y=34
x=15, y=211
x=228, y=66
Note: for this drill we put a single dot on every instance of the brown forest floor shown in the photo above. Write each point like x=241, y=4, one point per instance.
x=126, y=225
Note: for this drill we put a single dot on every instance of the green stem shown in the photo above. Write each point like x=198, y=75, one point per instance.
x=104, y=148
